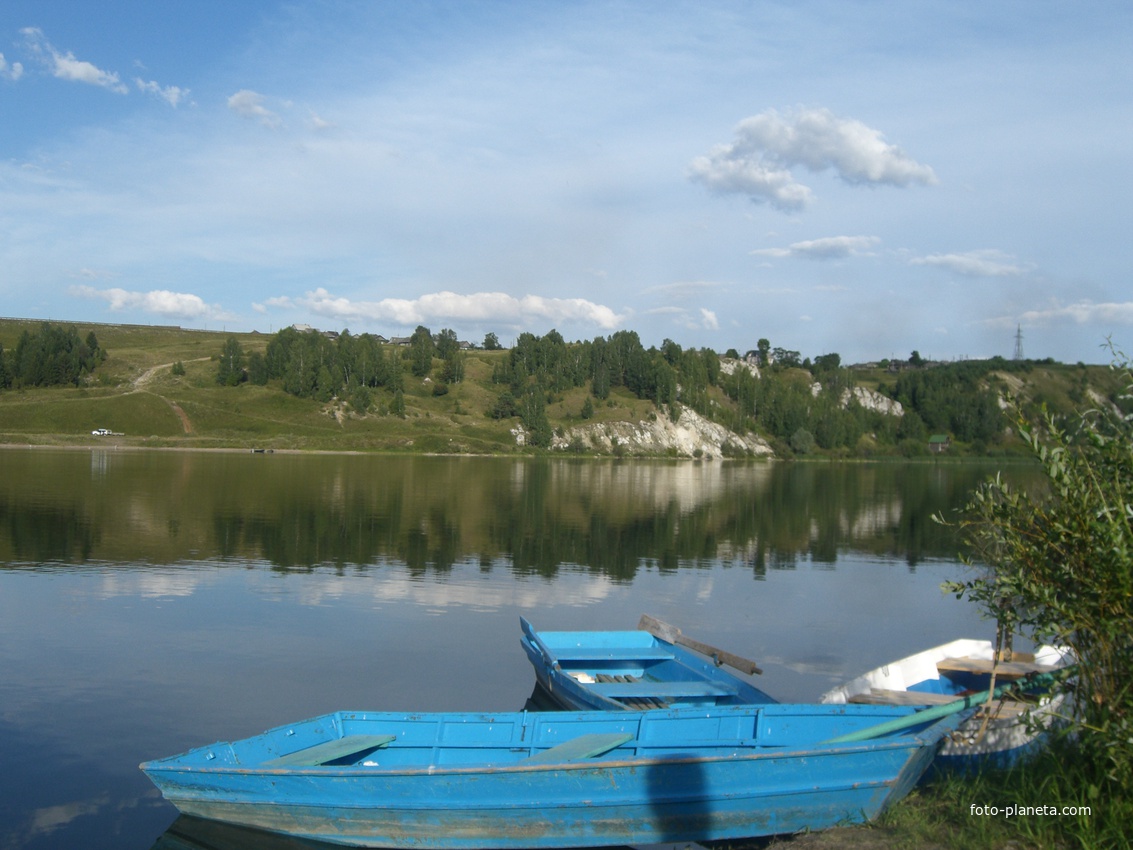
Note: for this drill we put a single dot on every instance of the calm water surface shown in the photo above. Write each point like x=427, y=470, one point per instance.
x=151, y=602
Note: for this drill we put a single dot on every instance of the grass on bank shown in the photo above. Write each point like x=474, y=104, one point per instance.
x=955, y=811
x=69, y=411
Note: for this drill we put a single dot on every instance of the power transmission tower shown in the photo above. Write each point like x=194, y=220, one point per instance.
x=1019, y=342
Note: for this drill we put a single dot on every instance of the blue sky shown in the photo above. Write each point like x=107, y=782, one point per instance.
x=863, y=178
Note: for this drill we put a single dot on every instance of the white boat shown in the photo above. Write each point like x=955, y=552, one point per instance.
x=1003, y=732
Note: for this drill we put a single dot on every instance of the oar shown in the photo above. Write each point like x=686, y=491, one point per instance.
x=661, y=629
x=938, y=711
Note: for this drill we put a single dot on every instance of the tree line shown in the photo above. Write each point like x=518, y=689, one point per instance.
x=50, y=356
x=309, y=364
x=801, y=405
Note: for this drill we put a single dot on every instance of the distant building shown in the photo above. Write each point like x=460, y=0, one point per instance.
x=939, y=443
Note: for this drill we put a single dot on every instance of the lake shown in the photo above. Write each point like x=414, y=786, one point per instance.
x=155, y=601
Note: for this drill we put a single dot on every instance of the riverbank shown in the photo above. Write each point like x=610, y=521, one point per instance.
x=158, y=386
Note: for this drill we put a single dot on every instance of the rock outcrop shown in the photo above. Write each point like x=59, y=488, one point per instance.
x=690, y=436
x=873, y=400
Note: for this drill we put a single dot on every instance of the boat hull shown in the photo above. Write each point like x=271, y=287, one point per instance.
x=1006, y=738
x=738, y=773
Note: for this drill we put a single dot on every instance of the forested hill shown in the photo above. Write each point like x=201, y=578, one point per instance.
x=433, y=392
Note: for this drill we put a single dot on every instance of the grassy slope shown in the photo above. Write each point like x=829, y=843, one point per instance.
x=135, y=393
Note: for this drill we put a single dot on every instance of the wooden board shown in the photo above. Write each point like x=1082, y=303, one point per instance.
x=1005, y=670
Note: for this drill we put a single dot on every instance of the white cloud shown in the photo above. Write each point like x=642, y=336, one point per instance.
x=94, y=274
x=66, y=67
x=10, y=72
x=283, y=302
x=698, y=320
x=317, y=122
x=161, y=302
x=826, y=248
x=684, y=288
x=172, y=95
x=250, y=104
x=986, y=263
x=725, y=171
x=768, y=145
x=478, y=307
x=1081, y=313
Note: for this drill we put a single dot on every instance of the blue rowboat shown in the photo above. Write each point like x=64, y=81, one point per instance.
x=1002, y=733
x=557, y=779
x=630, y=670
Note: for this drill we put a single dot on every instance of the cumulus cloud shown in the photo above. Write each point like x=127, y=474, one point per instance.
x=173, y=95
x=708, y=319
x=250, y=104
x=161, y=302
x=10, y=72
x=986, y=263
x=478, y=307
x=826, y=248
x=66, y=67
x=768, y=145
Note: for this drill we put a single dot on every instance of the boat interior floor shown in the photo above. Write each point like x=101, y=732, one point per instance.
x=637, y=702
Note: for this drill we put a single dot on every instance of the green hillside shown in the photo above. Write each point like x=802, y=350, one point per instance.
x=158, y=387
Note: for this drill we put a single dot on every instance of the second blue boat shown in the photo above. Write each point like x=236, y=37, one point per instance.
x=630, y=670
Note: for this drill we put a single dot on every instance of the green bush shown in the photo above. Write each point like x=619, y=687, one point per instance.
x=1061, y=570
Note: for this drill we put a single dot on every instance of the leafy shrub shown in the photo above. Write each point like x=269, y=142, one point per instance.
x=1061, y=570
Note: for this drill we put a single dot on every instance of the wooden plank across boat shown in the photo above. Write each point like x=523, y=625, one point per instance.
x=944, y=673
x=464, y=781
x=631, y=669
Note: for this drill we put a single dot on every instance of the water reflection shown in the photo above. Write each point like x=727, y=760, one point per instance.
x=152, y=601
x=532, y=515
x=187, y=833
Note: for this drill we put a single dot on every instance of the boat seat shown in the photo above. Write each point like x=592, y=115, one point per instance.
x=583, y=747
x=884, y=696
x=661, y=690
x=329, y=751
x=1005, y=670
x=613, y=653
